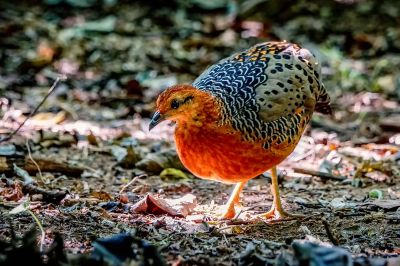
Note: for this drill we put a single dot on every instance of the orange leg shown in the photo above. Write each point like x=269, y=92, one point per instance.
x=276, y=210
x=233, y=200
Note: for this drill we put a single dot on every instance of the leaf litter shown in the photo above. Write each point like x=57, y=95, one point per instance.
x=113, y=192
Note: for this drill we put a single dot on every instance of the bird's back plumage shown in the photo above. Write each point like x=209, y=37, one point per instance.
x=267, y=92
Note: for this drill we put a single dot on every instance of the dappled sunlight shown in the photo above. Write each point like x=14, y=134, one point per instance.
x=83, y=180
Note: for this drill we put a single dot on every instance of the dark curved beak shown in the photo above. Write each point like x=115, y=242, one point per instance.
x=155, y=120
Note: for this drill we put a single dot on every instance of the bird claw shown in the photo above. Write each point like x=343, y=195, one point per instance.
x=278, y=214
x=238, y=204
x=230, y=213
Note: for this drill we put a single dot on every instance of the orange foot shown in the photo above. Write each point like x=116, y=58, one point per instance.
x=233, y=201
x=229, y=213
x=278, y=214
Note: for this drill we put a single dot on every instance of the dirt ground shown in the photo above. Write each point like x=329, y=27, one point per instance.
x=99, y=165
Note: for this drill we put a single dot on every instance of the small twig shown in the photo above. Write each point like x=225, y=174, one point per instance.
x=130, y=183
x=7, y=165
x=226, y=240
x=319, y=174
x=48, y=195
x=83, y=166
x=238, y=223
x=34, y=162
x=51, y=90
x=329, y=233
x=247, y=209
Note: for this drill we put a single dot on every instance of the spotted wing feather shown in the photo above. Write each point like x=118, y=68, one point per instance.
x=267, y=92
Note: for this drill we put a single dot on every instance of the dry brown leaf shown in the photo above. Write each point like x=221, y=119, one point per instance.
x=13, y=193
x=178, y=207
x=91, y=138
x=378, y=176
x=50, y=117
x=101, y=195
x=185, y=205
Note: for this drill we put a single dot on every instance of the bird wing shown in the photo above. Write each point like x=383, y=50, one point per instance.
x=267, y=90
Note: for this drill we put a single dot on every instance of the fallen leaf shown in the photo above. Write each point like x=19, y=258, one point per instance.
x=123, y=198
x=119, y=152
x=375, y=194
x=91, y=138
x=101, y=195
x=13, y=193
x=126, y=157
x=178, y=207
x=20, y=208
x=185, y=205
x=130, y=159
x=152, y=205
x=7, y=149
x=156, y=162
x=309, y=253
x=172, y=173
x=24, y=174
x=50, y=117
x=340, y=204
x=237, y=229
x=133, y=88
x=378, y=176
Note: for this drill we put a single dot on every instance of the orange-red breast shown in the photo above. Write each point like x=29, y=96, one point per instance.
x=245, y=114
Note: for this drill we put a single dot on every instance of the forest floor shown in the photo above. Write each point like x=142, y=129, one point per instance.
x=95, y=170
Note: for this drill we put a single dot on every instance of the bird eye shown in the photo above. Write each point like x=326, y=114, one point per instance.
x=174, y=104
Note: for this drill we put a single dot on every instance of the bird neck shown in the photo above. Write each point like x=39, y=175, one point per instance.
x=204, y=114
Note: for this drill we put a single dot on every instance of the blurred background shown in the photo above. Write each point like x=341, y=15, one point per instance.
x=118, y=55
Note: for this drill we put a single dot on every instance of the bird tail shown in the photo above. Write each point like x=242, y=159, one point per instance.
x=323, y=105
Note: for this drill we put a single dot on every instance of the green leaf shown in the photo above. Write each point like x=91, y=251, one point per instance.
x=172, y=173
x=375, y=194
